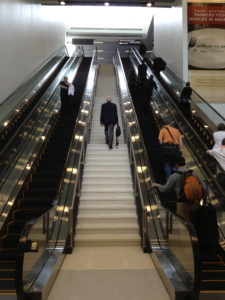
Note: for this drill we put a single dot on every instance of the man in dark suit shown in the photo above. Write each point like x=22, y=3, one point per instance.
x=109, y=118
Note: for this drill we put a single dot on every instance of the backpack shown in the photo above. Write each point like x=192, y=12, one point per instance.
x=191, y=188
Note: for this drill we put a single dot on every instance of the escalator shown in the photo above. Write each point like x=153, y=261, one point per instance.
x=198, y=143
x=150, y=131
x=213, y=260
x=39, y=194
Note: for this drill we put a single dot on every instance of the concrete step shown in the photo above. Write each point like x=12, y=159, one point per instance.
x=107, y=239
x=128, y=196
x=106, y=174
x=115, y=215
x=107, y=189
x=107, y=164
x=112, y=168
x=119, y=228
x=106, y=181
x=123, y=204
x=100, y=146
x=105, y=225
x=107, y=211
x=123, y=154
x=107, y=158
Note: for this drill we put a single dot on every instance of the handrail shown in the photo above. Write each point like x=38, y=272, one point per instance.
x=183, y=82
x=23, y=241
x=201, y=156
x=129, y=110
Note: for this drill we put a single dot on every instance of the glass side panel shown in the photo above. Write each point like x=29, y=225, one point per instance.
x=179, y=243
x=205, y=110
x=39, y=234
x=16, y=100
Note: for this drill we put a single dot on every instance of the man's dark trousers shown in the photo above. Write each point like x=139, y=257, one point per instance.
x=109, y=133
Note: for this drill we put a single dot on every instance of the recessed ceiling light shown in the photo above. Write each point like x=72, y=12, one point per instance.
x=62, y=2
x=149, y=4
x=106, y=4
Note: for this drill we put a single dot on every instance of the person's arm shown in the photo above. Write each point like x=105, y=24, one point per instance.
x=210, y=152
x=168, y=186
x=63, y=86
x=180, y=143
x=160, y=138
x=116, y=115
x=101, y=115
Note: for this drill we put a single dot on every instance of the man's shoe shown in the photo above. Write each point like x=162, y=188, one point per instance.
x=107, y=142
x=110, y=146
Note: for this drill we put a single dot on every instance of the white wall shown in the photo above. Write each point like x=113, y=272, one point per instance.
x=29, y=35
x=170, y=37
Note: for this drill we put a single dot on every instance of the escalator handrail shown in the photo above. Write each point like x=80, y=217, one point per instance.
x=222, y=192
x=22, y=249
x=188, y=225
x=202, y=99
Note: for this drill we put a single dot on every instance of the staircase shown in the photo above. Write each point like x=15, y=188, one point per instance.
x=107, y=212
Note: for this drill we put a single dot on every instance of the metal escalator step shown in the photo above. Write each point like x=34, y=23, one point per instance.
x=35, y=204
x=40, y=193
x=27, y=214
x=7, y=274
x=5, y=264
x=213, y=285
x=8, y=293
x=15, y=227
x=10, y=241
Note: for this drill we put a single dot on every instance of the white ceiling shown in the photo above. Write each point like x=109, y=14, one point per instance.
x=105, y=22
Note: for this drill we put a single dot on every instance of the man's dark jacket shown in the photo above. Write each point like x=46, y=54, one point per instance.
x=109, y=113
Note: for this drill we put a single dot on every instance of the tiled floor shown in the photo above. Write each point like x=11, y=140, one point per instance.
x=108, y=273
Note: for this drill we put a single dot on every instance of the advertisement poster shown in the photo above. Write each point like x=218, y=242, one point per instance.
x=206, y=49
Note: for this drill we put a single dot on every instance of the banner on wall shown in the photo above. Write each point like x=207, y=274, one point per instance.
x=206, y=49
x=206, y=36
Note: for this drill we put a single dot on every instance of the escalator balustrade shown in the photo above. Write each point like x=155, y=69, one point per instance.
x=212, y=262
x=196, y=121
x=42, y=190
x=8, y=131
